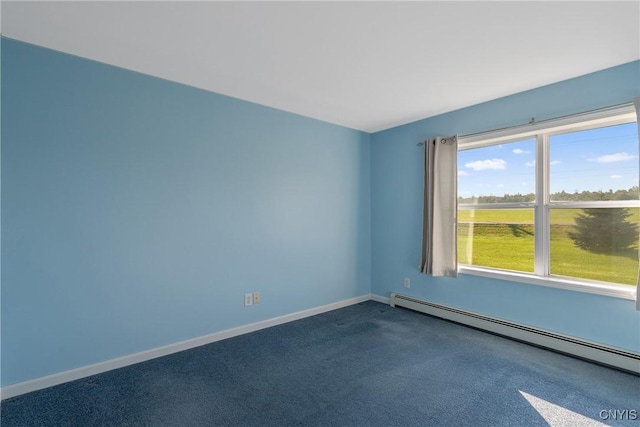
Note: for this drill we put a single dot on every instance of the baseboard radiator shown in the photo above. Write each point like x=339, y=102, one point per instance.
x=617, y=358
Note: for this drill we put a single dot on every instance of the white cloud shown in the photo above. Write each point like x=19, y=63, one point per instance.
x=463, y=173
x=500, y=186
x=531, y=163
x=520, y=151
x=611, y=158
x=555, y=162
x=615, y=176
x=480, y=165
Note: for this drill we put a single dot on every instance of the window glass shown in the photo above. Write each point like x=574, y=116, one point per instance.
x=596, y=244
x=588, y=205
x=595, y=164
x=496, y=238
x=502, y=173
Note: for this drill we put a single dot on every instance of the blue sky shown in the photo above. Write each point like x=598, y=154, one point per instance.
x=592, y=160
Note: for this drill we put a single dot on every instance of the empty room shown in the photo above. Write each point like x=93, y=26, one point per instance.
x=320, y=213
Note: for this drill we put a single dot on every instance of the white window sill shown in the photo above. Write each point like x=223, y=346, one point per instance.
x=600, y=288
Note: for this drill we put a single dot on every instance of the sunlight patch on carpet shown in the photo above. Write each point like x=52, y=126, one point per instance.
x=557, y=416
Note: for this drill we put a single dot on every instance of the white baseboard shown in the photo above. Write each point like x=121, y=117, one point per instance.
x=120, y=362
x=381, y=299
x=601, y=353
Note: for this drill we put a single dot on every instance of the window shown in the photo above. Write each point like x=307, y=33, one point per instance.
x=556, y=204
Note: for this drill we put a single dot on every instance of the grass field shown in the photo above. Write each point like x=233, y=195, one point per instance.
x=505, y=239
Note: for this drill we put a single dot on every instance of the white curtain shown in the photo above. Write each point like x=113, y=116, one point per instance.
x=439, y=226
x=637, y=104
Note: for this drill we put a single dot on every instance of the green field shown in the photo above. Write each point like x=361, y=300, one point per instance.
x=505, y=239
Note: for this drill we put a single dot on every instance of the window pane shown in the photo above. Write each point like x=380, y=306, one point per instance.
x=497, y=238
x=497, y=174
x=597, y=244
x=596, y=164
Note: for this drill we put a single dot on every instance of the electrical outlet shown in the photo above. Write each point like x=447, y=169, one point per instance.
x=248, y=299
x=256, y=297
x=407, y=282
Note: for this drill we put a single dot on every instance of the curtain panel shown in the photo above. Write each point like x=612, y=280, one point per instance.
x=439, y=255
x=636, y=102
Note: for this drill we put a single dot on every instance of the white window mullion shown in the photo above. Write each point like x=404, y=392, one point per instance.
x=598, y=204
x=541, y=215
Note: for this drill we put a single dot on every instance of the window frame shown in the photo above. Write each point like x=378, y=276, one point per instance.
x=542, y=132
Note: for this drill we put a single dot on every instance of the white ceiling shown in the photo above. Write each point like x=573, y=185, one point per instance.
x=365, y=65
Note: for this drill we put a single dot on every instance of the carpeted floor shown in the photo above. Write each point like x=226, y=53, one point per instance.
x=364, y=365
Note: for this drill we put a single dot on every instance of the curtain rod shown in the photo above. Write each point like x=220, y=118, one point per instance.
x=534, y=122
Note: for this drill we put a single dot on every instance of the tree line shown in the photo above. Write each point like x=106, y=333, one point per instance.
x=632, y=193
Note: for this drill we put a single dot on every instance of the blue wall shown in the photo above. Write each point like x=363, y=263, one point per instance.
x=137, y=212
x=396, y=171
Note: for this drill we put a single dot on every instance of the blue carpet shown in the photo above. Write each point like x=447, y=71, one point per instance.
x=363, y=365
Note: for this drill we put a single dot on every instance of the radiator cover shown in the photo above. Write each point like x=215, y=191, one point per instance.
x=610, y=356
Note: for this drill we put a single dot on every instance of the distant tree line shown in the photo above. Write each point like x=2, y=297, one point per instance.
x=561, y=196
